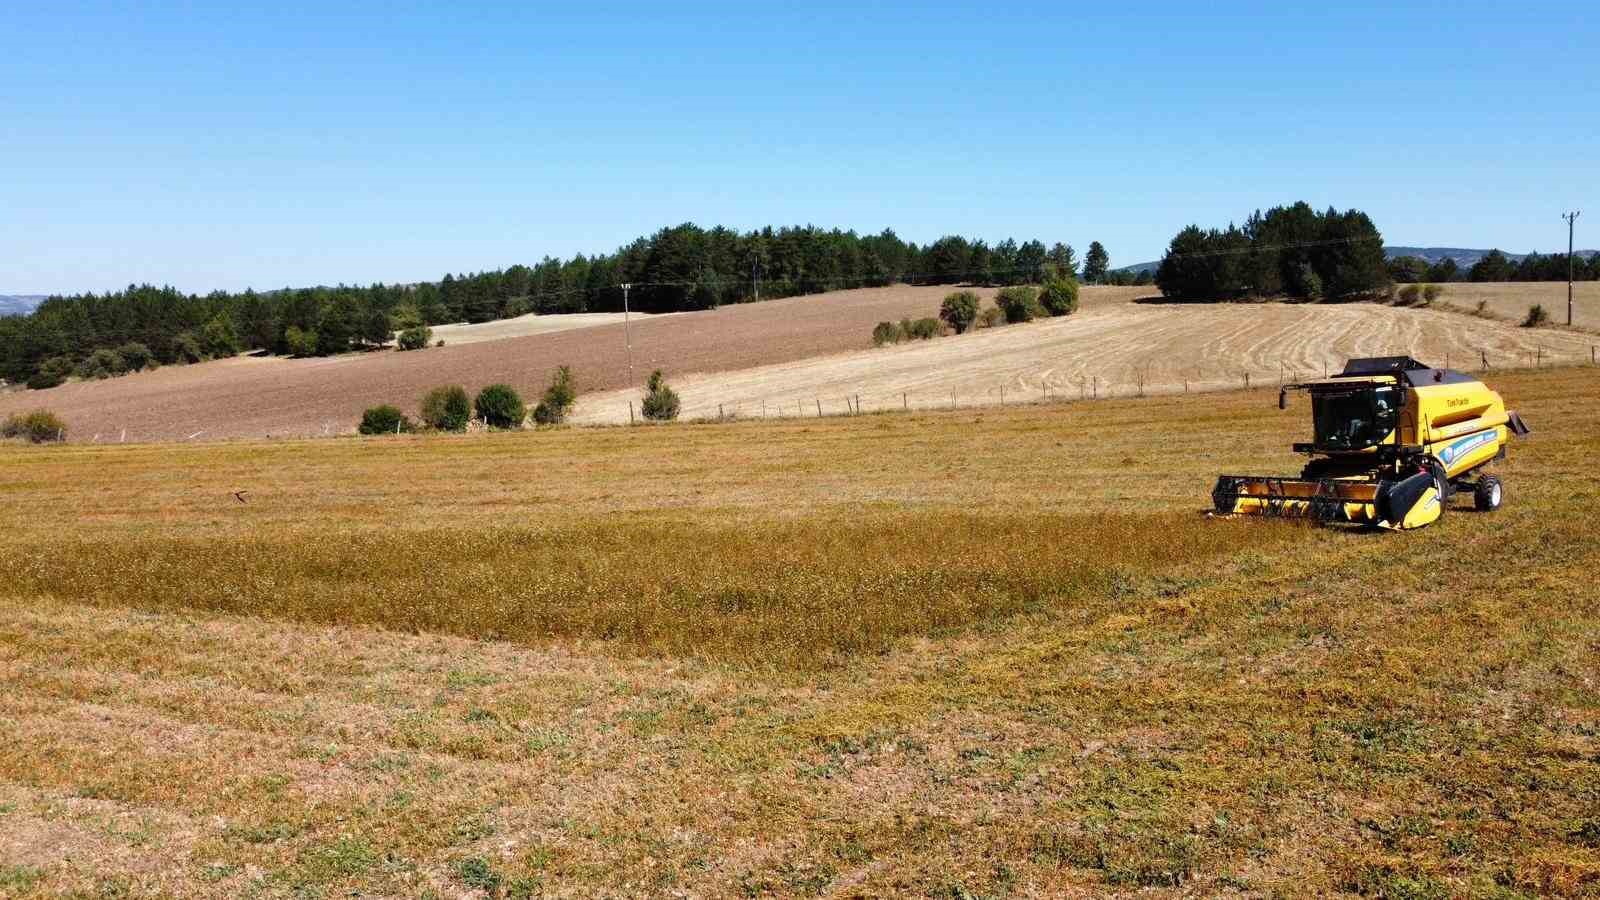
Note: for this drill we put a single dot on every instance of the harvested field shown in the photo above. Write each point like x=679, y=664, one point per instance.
x=972, y=653
x=1105, y=350
x=1510, y=300
x=522, y=326
x=260, y=397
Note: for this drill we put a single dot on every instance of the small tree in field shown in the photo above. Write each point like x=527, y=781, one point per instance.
x=959, y=310
x=1020, y=304
x=51, y=373
x=500, y=406
x=40, y=426
x=385, y=419
x=1432, y=292
x=660, y=402
x=446, y=408
x=414, y=338
x=886, y=333
x=1537, y=317
x=558, y=399
x=1060, y=296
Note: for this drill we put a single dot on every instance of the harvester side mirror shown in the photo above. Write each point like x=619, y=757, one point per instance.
x=1283, y=398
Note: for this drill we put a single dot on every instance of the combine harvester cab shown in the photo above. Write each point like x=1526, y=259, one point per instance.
x=1393, y=440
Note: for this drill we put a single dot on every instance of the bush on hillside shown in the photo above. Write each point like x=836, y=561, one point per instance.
x=500, y=406
x=959, y=310
x=557, y=400
x=135, y=356
x=446, y=408
x=660, y=402
x=1020, y=304
x=925, y=329
x=385, y=419
x=51, y=373
x=1410, y=294
x=886, y=333
x=40, y=426
x=102, y=364
x=414, y=338
x=300, y=342
x=1432, y=292
x=186, y=348
x=1059, y=297
x=219, y=339
x=990, y=317
x=1537, y=317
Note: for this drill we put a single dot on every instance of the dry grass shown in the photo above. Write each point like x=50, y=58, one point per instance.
x=1509, y=300
x=949, y=654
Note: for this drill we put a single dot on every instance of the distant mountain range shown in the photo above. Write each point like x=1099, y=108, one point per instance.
x=18, y=304
x=1464, y=257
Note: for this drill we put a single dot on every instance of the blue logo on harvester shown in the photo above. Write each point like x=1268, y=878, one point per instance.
x=1465, y=445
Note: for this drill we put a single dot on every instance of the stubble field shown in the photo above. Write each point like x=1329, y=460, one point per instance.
x=970, y=653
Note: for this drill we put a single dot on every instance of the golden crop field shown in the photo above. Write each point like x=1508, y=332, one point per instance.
x=993, y=652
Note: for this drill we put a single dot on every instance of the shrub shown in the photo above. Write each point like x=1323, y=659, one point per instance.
x=1432, y=292
x=40, y=426
x=219, y=338
x=135, y=355
x=406, y=317
x=959, y=310
x=499, y=406
x=385, y=419
x=557, y=400
x=1537, y=317
x=886, y=333
x=439, y=342
x=990, y=317
x=446, y=408
x=660, y=402
x=1019, y=304
x=924, y=329
x=1482, y=309
x=102, y=363
x=300, y=342
x=414, y=338
x=1060, y=296
x=1410, y=294
x=51, y=373
x=186, y=348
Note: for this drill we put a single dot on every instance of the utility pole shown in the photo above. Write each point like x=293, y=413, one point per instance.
x=627, y=337
x=1571, y=217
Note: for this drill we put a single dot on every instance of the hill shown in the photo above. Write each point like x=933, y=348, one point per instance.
x=1464, y=257
x=814, y=349
x=19, y=304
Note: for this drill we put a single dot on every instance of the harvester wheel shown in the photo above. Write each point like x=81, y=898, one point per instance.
x=1488, y=494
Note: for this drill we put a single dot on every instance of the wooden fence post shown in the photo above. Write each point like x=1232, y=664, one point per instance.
x=819, y=407
x=630, y=412
x=905, y=402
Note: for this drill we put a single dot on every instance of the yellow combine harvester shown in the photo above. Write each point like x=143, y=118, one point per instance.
x=1393, y=440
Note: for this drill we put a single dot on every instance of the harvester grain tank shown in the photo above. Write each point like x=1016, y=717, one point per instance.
x=1394, y=439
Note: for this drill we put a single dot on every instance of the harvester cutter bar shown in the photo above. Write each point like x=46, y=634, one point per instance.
x=1319, y=499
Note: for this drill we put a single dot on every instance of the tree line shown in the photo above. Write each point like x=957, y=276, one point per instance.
x=685, y=267
x=1495, y=266
x=1288, y=251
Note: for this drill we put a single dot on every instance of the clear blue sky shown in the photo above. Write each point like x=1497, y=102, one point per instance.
x=286, y=144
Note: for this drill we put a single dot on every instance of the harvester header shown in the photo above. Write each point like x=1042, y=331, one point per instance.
x=1393, y=439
